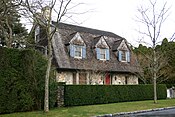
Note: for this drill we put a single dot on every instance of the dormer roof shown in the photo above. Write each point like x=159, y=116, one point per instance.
x=101, y=42
x=120, y=45
x=77, y=39
x=116, y=44
x=123, y=46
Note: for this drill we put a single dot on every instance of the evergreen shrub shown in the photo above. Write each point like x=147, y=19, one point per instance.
x=22, y=78
x=76, y=95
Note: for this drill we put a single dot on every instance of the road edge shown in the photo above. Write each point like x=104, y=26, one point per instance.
x=134, y=112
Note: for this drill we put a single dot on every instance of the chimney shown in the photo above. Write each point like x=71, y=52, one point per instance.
x=46, y=12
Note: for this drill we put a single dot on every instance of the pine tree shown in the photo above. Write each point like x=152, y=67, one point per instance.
x=12, y=33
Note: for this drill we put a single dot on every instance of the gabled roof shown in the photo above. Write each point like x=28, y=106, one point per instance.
x=77, y=40
x=101, y=42
x=116, y=45
x=85, y=30
x=90, y=37
x=123, y=46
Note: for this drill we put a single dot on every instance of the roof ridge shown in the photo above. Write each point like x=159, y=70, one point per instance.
x=85, y=29
x=119, y=40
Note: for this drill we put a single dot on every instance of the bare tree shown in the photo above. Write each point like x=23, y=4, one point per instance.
x=41, y=12
x=146, y=62
x=152, y=19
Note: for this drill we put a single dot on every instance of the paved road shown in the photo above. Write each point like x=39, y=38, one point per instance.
x=161, y=113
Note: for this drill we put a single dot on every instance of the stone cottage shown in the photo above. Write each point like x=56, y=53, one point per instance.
x=89, y=56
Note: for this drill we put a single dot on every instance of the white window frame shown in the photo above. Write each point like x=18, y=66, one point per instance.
x=37, y=33
x=123, y=53
x=75, y=50
x=102, y=50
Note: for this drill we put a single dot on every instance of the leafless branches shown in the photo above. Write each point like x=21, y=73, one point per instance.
x=152, y=19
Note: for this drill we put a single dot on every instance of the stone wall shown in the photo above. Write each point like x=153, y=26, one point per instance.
x=60, y=96
x=122, y=79
x=97, y=78
x=132, y=79
x=118, y=79
x=66, y=77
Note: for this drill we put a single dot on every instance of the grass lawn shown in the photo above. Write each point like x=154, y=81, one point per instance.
x=91, y=110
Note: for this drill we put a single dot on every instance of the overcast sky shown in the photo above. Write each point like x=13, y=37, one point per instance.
x=118, y=16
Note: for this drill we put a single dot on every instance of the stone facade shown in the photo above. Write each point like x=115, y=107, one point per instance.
x=95, y=78
x=60, y=96
x=90, y=78
x=65, y=77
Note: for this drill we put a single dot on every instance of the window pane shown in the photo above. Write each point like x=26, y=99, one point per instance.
x=78, y=52
x=102, y=54
x=102, y=51
x=123, y=53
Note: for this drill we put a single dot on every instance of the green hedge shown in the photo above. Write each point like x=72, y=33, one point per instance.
x=102, y=94
x=22, y=77
x=170, y=85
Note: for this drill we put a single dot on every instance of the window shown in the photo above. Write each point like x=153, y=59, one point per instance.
x=82, y=78
x=102, y=54
x=77, y=51
x=74, y=78
x=126, y=80
x=37, y=32
x=124, y=56
x=37, y=37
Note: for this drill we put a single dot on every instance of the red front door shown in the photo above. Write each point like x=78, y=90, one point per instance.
x=107, y=79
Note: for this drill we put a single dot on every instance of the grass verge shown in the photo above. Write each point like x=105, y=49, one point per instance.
x=92, y=110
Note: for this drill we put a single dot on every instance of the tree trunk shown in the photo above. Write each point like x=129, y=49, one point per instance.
x=155, y=90
x=154, y=70
x=49, y=57
x=46, y=100
x=9, y=39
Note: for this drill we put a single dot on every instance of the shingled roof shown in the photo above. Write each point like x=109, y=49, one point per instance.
x=85, y=29
x=64, y=61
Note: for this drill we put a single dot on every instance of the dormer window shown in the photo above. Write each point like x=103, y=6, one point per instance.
x=77, y=51
x=122, y=50
x=102, y=49
x=77, y=47
x=102, y=54
x=124, y=56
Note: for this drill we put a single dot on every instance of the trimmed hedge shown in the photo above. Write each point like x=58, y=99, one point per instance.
x=76, y=95
x=22, y=78
x=170, y=85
